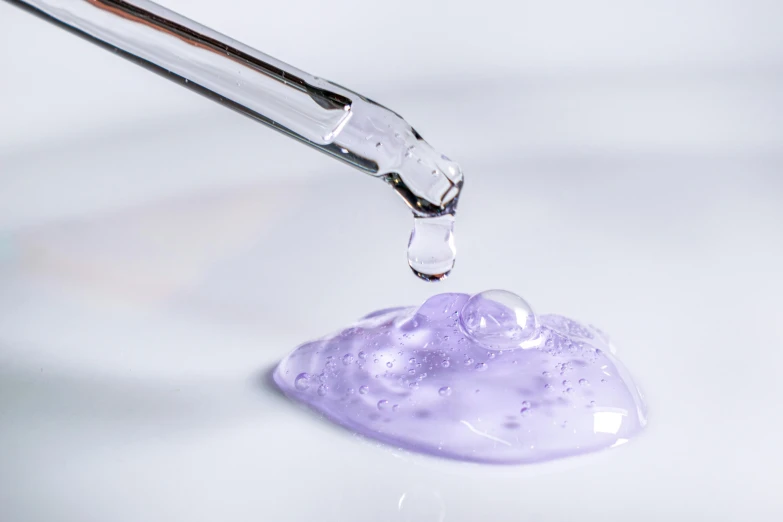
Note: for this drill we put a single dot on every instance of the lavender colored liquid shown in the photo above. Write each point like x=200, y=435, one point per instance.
x=477, y=378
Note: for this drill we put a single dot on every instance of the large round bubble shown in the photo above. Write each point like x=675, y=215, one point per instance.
x=499, y=319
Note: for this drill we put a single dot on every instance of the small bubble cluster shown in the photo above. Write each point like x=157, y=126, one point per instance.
x=505, y=385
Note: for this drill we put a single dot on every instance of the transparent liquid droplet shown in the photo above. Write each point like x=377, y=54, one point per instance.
x=445, y=391
x=431, y=250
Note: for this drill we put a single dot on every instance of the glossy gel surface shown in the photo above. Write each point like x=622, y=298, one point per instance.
x=445, y=379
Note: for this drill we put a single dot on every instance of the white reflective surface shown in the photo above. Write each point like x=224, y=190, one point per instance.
x=135, y=343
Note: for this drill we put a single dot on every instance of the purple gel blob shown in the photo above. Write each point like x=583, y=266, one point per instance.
x=436, y=380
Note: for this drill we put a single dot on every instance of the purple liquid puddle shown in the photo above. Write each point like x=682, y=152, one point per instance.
x=470, y=378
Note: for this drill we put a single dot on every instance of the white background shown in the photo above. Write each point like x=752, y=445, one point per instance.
x=158, y=254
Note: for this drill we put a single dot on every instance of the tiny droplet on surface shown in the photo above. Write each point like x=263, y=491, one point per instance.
x=302, y=381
